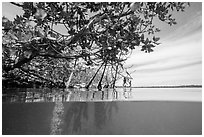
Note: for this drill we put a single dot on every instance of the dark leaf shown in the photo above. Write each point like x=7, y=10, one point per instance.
x=156, y=39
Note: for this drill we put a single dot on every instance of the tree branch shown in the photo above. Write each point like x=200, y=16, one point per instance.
x=31, y=72
x=16, y=4
x=62, y=57
x=19, y=63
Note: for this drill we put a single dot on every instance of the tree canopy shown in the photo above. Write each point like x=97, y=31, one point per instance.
x=99, y=34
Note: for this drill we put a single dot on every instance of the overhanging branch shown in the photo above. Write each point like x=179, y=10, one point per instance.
x=31, y=72
x=16, y=4
x=19, y=63
x=62, y=57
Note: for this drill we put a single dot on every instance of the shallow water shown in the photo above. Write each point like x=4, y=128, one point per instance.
x=120, y=111
x=119, y=94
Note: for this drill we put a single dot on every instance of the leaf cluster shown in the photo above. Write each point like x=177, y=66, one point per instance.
x=97, y=32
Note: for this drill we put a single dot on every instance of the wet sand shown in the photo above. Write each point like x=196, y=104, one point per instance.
x=101, y=118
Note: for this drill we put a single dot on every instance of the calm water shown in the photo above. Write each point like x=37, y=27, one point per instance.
x=120, y=111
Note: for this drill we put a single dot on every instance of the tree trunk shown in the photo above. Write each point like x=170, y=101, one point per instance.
x=99, y=84
x=116, y=72
x=70, y=77
x=69, y=80
x=87, y=86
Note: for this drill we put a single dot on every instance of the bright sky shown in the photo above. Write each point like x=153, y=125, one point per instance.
x=177, y=61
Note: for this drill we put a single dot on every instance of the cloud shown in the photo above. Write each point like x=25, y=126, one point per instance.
x=178, y=76
x=166, y=68
x=177, y=61
x=191, y=27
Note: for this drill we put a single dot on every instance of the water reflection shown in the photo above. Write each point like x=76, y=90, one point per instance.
x=87, y=117
x=79, y=116
x=101, y=112
x=57, y=119
x=127, y=93
x=65, y=95
x=75, y=115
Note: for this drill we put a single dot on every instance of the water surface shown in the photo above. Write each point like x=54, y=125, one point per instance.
x=119, y=94
x=117, y=112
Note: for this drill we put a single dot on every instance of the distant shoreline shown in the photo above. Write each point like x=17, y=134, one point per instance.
x=182, y=86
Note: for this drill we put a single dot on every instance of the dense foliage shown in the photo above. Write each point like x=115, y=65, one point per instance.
x=99, y=38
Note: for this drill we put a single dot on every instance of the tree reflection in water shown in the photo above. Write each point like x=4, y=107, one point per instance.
x=86, y=117
x=67, y=95
x=103, y=112
x=127, y=93
x=75, y=110
x=58, y=112
x=75, y=114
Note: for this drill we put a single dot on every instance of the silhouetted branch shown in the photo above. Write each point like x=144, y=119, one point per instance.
x=16, y=4
x=87, y=86
x=32, y=72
